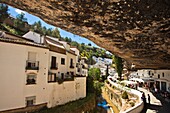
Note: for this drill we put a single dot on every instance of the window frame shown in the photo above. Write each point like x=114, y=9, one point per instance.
x=31, y=99
x=52, y=77
x=62, y=61
x=30, y=82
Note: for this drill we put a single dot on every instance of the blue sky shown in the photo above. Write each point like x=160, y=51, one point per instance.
x=31, y=19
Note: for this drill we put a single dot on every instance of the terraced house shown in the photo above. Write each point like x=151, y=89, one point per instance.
x=40, y=71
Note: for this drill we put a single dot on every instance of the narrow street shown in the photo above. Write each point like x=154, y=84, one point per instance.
x=158, y=104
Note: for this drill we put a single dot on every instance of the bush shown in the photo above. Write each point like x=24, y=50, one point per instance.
x=132, y=104
x=125, y=95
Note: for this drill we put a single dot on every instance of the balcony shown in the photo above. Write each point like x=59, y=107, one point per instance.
x=54, y=67
x=32, y=65
x=68, y=77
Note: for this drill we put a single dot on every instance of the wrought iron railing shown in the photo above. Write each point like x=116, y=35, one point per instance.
x=32, y=65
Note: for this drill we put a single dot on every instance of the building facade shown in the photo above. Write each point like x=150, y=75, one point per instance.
x=159, y=79
x=34, y=74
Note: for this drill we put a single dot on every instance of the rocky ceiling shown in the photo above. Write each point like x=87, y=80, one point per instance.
x=136, y=30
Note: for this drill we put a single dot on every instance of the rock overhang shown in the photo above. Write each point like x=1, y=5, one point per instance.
x=136, y=30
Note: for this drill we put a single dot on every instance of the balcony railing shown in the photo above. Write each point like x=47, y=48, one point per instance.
x=54, y=67
x=68, y=77
x=32, y=65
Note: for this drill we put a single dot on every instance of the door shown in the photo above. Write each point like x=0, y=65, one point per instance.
x=163, y=86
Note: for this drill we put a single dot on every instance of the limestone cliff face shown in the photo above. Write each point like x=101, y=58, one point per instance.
x=136, y=30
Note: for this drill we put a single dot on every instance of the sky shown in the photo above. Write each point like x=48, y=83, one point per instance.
x=31, y=19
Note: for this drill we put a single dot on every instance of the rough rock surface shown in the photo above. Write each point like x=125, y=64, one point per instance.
x=136, y=30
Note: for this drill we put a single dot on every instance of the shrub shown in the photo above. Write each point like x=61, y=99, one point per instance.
x=132, y=104
x=125, y=95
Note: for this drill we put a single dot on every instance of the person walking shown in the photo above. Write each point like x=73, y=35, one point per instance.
x=143, y=98
x=149, y=99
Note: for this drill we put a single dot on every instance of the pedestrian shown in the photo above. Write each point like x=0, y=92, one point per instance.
x=143, y=98
x=149, y=99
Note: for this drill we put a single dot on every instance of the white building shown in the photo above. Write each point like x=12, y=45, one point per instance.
x=161, y=78
x=34, y=75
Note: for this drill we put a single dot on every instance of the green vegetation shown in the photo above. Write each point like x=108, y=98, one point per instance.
x=20, y=21
x=69, y=107
x=37, y=27
x=125, y=95
x=94, y=73
x=97, y=86
x=3, y=12
x=11, y=30
x=118, y=65
x=93, y=81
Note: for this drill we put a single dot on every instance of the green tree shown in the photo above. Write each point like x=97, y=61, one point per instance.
x=49, y=31
x=20, y=20
x=3, y=12
x=37, y=27
x=44, y=30
x=55, y=33
x=89, y=44
x=74, y=43
x=94, y=73
x=118, y=65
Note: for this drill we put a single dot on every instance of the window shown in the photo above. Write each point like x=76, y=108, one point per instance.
x=31, y=79
x=71, y=63
x=52, y=77
x=53, y=63
x=30, y=101
x=162, y=74
x=158, y=75
x=63, y=61
x=149, y=73
x=78, y=70
x=31, y=63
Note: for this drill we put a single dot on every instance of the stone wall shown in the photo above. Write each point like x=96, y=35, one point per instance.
x=122, y=103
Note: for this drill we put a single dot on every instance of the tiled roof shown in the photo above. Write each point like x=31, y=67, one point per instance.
x=22, y=42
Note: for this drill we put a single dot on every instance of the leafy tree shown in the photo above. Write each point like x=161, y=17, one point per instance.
x=89, y=44
x=74, y=43
x=20, y=20
x=44, y=30
x=118, y=65
x=49, y=31
x=55, y=33
x=68, y=40
x=3, y=12
x=37, y=27
x=94, y=73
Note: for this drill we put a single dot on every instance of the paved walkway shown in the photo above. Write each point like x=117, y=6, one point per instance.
x=157, y=103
